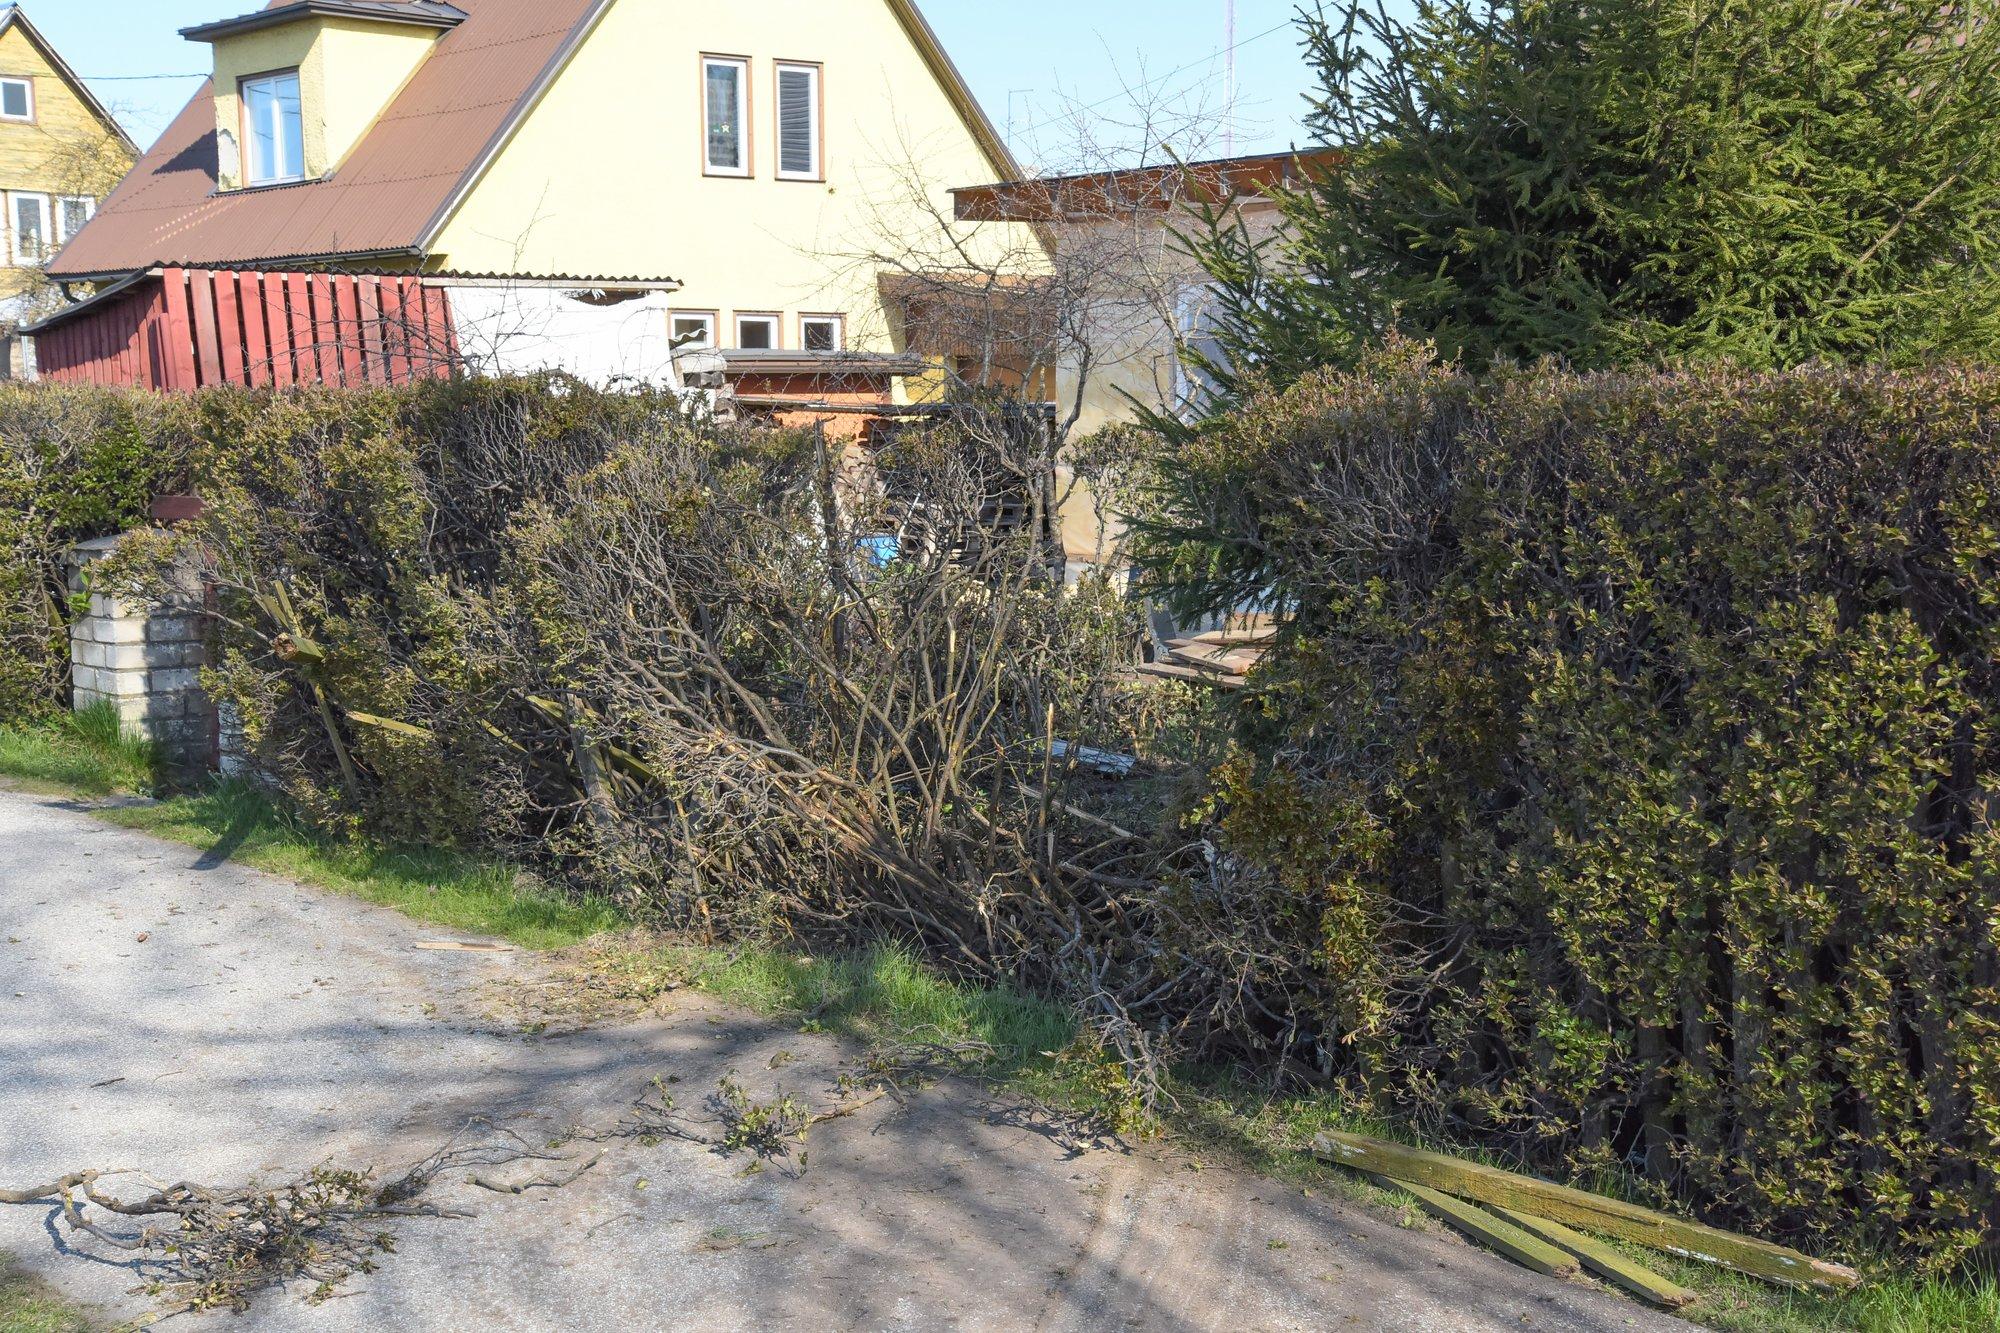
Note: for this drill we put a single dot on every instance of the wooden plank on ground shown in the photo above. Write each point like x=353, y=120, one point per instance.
x=1494, y=1233
x=1602, y=1260
x=1578, y=1208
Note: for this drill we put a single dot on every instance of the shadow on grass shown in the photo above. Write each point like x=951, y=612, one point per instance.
x=872, y=996
x=885, y=994
x=234, y=823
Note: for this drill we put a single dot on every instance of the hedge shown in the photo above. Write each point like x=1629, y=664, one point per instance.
x=74, y=465
x=1618, y=795
x=1621, y=793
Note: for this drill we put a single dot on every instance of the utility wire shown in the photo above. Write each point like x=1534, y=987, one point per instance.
x=1149, y=84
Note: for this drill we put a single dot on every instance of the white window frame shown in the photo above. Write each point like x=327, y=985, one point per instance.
x=744, y=143
x=62, y=232
x=839, y=323
x=15, y=199
x=817, y=105
x=250, y=163
x=29, y=86
x=708, y=319
x=777, y=323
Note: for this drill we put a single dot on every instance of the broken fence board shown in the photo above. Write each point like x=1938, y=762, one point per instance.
x=1602, y=1260
x=1494, y=1233
x=1577, y=1208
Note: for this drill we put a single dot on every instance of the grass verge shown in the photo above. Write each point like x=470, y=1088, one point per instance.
x=26, y=1306
x=82, y=754
x=876, y=996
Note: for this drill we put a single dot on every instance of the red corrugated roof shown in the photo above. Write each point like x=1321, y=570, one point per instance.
x=381, y=201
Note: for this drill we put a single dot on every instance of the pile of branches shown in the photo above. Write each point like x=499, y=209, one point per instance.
x=210, y=1248
x=750, y=683
x=215, y=1248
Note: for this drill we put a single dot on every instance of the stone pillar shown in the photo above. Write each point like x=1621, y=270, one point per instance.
x=145, y=661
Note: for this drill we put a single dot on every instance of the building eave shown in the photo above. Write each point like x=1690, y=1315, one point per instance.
x=436, y=17
x=1103, y=194
x=512, y=125
x=947, y=73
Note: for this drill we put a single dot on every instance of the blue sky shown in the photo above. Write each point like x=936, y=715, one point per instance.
x=1167, y=50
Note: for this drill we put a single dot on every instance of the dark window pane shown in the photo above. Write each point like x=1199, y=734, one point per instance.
x=14, y=99
x=725, y=132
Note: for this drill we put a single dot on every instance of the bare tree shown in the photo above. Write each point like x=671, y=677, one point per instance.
x=75, y=167
x=1069, y=287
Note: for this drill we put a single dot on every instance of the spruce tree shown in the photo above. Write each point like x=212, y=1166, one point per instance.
x=1633, y=182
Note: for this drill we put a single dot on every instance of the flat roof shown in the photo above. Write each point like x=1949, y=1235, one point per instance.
x=1141, y=189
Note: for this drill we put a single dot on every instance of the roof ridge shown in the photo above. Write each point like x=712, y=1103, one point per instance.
x=11, y=14
x=422, y=145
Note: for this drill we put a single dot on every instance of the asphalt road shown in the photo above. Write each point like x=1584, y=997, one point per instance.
x=200, y=1021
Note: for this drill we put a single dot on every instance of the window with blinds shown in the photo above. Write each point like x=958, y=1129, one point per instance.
x=725, y=107
x=799, y=147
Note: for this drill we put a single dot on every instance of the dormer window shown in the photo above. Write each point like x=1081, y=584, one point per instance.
x=274, y=135
x=300, y=83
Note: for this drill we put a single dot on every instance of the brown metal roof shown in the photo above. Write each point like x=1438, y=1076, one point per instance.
x=416, y=13
x=382, y=201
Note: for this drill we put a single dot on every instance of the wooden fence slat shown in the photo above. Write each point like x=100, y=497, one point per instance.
x=326, y=329
x=374, y=363
x=229, y=328
x=181, y=372
x=257, y=370
x=396, y=331
x=201, y=301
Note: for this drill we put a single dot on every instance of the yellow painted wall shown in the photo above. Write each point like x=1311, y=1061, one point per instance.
x=295, y=46
x=365, y=65
x=606, y=176
x=349, y=73
x=66, y=151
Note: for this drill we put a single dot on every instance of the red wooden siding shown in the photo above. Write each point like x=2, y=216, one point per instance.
x=191, y=328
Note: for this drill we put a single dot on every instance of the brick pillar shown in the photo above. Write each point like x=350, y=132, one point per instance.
x=145, y=661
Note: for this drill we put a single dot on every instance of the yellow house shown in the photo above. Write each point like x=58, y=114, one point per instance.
x=61, y=152
x=772, y=156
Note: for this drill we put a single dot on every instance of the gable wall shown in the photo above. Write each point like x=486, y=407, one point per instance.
x=67, y=151
x=606, y=177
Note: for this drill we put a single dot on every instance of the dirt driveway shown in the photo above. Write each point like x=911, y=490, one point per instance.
x=260, y=1028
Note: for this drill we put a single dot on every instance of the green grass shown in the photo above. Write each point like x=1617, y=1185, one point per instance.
x=883, y=996
x=441, y=888
x=84, y=753
x=876, y=996
x=26, y=1306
